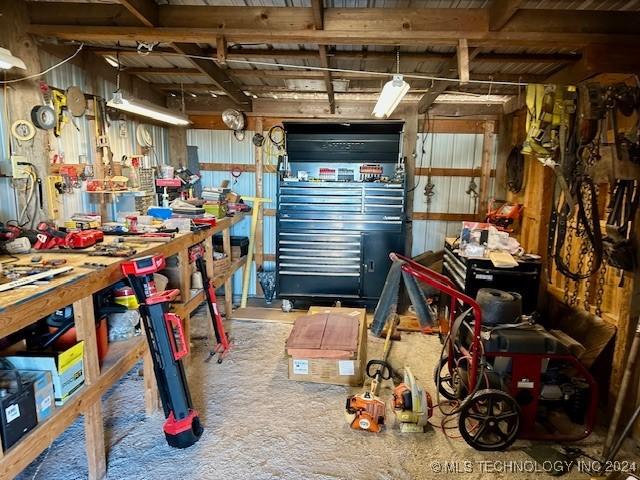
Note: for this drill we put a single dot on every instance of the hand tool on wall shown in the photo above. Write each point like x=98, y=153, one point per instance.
x=168, y=345
x=257, y=204
x=223, y=344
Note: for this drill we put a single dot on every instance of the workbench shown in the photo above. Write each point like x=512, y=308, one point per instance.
x=26, y=305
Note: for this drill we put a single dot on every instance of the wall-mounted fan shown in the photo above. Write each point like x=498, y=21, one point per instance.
x=236, y=121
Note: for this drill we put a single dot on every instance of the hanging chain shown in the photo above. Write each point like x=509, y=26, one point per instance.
x=602, y=277
x=587, y=282
x=567, y=258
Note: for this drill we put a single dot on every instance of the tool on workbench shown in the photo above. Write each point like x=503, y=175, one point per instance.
x=48, y=238
x=366, y=411
x=34, y=278
x=167, y=344
x=95, y=266
x=223, y=344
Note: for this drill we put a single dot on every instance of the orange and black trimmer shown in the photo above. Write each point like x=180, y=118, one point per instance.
x=223, y=344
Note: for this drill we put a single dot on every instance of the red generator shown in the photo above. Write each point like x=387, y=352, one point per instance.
x=513, y=379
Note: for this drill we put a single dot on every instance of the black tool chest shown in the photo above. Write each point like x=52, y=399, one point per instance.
x=334, y=237
x=472, y=274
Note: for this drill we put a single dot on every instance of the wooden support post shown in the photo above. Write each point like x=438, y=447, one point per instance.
x=463, y=61
x=259, y=249
x=409, y=140
x=485, y=169
x=208, y=257
x=93, y=427
x=228, y=284
x=221, y=50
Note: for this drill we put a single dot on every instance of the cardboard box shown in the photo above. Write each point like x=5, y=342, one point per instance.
x=43, y=392
x=348, y=372
x=66, y=368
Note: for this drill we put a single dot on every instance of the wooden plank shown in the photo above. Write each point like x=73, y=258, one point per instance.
x=151, y=398
x=341, y=333
x=485, y=168
x=221, y=50
x=409, y=141
x=93, y=426
x=236, y=52
x=219, y=76
x=258, y=314
x=445, y=217
x=364, y=26
x=259, y=246
x=270, y=212
x=452, y=172
x=318, y=13
x=463, y=60
x=324, y=63
x=501, y=11
x=146, y=11
x=597, y=59
x=163, y=71
x=228, y=284
x=307, y=332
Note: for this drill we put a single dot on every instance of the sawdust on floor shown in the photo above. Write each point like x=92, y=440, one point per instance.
x=260, y=425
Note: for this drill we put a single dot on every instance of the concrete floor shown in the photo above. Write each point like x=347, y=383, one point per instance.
x=260, y=425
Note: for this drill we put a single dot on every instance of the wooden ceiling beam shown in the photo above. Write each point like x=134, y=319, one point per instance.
x=364, y=26
x=146, y=11
x=162, y=71
x=318, y=22
x=439, y=87
x=233, y=53
x=219, y=76
x=596, y=60
x=319, y=75
x=501, y=11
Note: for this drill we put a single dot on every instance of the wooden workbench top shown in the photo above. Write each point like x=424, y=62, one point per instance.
x=22, y=306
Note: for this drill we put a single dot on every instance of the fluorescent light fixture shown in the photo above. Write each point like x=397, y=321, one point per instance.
x=391, y=95
x=8, y=61
x=111, y=60
x=146, y=109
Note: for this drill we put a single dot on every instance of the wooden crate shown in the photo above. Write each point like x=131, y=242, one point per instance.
x=345, y=371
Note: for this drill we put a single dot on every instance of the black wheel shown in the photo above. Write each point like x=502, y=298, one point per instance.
x=489, y=420
x=444, y=380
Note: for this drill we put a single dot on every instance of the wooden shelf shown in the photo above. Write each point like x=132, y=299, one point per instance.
x=121, y=358
x=235, y=265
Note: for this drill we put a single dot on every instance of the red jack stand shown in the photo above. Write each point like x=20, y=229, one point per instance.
x=223, y=344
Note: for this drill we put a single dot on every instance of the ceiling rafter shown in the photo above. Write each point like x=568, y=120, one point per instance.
x=147, y=12
x=501, y=11
x=364, y=26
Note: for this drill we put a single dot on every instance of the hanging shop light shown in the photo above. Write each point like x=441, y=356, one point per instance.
x=147, y=109
x=8, y=61
x=392, y=93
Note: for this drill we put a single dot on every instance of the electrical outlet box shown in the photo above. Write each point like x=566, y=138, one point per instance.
x=18, y=171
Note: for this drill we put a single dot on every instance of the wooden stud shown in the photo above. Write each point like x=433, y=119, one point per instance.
x=485, y=168
x=409, y=141
x=185, y=288
x=228, y=284
x=151, y=398
x=221, y=50
x=259, y=246
x=94, y=429
x=463, y=60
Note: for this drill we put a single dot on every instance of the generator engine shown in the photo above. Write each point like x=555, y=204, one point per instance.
x=527, y=373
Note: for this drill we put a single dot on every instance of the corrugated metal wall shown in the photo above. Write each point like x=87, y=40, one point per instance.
x=444, y=150
x=8, y=208
x=76, y=140
x=220, y=146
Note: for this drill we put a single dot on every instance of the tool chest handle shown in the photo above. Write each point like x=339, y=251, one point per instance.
x=179, y=345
